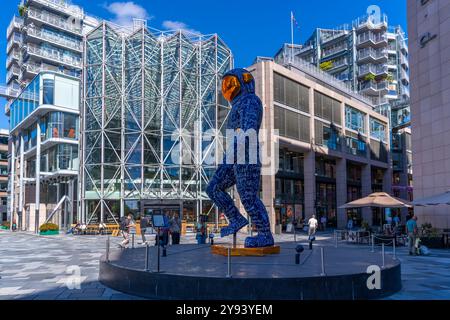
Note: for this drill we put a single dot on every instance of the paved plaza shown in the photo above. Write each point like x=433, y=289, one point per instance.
x=51, y=267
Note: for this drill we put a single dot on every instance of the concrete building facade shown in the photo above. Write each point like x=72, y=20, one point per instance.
x=44, y=133
x=429, y=42
x=45, y=35
x=331, y=146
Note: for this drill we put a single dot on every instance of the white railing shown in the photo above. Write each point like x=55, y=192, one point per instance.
x=16, y=39
x=54, y=20
x=374, y=69
x=370, y=52
x=36, y=32
x=338, y=64
x=54, y=55
x=61, y=5
x=368, y=20
x=382, y=85
x=15, y=55
x=312, y=70
x=16, y=23
x=9, y=92
x=11, y=73
x=333, y=50
x=404, y=75
x=369, y=36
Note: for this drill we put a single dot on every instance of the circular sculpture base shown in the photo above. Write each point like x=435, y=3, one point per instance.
x=191, y=272
x=241, y=251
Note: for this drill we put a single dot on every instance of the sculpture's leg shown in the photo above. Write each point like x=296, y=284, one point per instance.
x=248, y=180
x=223, y=179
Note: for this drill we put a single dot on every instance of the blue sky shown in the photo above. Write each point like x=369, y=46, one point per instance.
x=250, y=28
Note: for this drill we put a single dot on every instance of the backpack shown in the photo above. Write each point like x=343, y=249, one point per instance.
x=123, y=225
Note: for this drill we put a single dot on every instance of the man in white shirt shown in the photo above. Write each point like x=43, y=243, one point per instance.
x=312, y=225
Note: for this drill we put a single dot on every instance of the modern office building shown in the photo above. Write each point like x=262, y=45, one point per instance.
x=149, y=98
x=332, y=146
x=44, y=132
x=429, y=41
x=44, y=35
x=371, y=57
x=4, y=134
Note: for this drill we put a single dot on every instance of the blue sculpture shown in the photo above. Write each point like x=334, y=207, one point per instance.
x=238, y=87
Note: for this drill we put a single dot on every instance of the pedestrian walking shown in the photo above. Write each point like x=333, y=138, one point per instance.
x=412, y=230
x=125, y=226
x=143, y=224
x=312, y=223
x=175, y=228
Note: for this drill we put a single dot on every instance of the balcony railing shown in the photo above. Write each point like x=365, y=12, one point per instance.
x=373, y=69
x=369, y=22
x=375, y=86
x=404, y=76
x=371, y=37
x=53, y=20
x=15, y=39
x=9, y=91
x=16, y=23
x=14, y=71
x=53, y=55
x=338, y=64
x=61, y=5
x=372, y=53
x=334, y=50
x=14, y=55
x=38, y=33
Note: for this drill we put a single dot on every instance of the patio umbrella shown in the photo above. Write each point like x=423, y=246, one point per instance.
x=442, y=198
x=378, y=200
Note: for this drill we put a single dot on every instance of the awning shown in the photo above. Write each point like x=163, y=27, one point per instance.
x=378, y=200
x=442, y=198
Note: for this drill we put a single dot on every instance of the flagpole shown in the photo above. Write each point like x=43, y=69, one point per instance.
x=292, y=36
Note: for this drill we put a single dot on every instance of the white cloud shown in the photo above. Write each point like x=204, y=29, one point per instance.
x=177, y=25
x=125, y=12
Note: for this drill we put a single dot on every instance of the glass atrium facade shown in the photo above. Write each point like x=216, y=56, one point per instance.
x=149, y=97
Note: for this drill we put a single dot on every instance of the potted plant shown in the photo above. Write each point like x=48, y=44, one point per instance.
x=5, y=225
x=430, y=237
x=48, y=229
x=22, y=10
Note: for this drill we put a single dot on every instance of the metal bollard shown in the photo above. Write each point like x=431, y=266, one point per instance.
x=164, y=253
x=382, y=253
x=394, y=256
x=323, y=262
x=146, y=257
x=234, y=240
x=132, y=241
x=373, y=243
x=229, y=263
x=335, y=239
x=107, y=249
x=297, y=258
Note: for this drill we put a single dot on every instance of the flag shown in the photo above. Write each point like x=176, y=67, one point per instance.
x=294, y=20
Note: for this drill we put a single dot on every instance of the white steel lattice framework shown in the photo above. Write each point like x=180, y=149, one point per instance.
x=145, y=96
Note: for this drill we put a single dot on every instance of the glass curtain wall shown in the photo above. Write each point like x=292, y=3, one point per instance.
x=146, y=95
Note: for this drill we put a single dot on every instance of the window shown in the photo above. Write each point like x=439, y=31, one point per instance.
x=327, y=135
x=377, y=130
x=355, y=144
x=48, y=91
x=3, y=155
x=291, y=124
x=354, y=119
x=291, y=93
x=3, y=186
x=327, y=108
x=4, y=170
x=378, y=151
